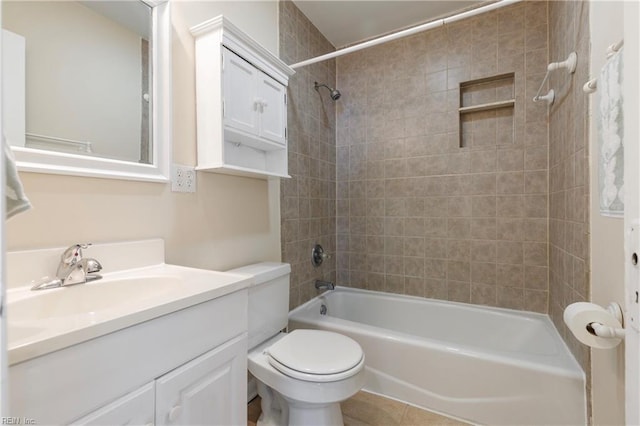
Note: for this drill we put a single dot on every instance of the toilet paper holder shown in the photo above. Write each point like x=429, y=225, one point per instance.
x=601, y=330
x=594, y=325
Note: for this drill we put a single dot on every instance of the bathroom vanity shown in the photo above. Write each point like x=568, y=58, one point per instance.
x=148, y=344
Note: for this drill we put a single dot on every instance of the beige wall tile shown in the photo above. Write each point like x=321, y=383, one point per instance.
x=394, y=284
x=436, y=227
x=535, y=230
x=435, y=206
x=435, y=288
x=535, y=254
x=510, y=229
x=536, y=277
x=458, y=228
x=414, y=266
x=484, y=206
x=509, y=275
x=510, y=160
x=414, y=246
x=535, y=158
x=458, y=250
x=483, y=228
x=414, y=286
x=459, y=291
x=459, y=206
x=512, y=298
x=483, y=251
x=510, y=183
x=535, y=206
x=536, y=301
x=483, y=273
x=440, y=220
x=435, y=268
x=483, y=294
x=535, y=182
x=510, y=252
x=510, y=205
x=458, y=271
x=394, y=246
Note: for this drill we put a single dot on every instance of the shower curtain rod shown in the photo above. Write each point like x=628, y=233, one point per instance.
x=404, y=33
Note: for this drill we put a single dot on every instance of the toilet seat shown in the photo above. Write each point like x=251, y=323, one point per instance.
x=316, y=356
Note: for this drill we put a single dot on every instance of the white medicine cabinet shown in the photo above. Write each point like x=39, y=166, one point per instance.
x=254, y=106
x=241, y=95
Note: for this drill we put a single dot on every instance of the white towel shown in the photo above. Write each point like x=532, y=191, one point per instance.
x=610, y=137
x=14, y=197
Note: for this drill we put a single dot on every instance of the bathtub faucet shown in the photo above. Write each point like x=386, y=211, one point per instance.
x=325, y=285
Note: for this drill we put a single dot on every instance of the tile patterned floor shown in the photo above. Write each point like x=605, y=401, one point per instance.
x=365, y=409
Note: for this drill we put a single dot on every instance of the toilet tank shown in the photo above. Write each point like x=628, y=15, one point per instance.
x=268, y=299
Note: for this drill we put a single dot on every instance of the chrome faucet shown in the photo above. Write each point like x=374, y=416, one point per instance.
x=325, y=285
x=73, y=269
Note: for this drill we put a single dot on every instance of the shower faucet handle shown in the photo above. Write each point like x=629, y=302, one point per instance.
x=318, y=255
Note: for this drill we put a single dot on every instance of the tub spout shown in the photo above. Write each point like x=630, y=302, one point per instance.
x=325, y=285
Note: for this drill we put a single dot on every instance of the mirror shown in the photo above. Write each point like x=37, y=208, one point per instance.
x=86, y=87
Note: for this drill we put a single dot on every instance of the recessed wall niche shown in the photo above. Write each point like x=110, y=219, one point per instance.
x=486, y=111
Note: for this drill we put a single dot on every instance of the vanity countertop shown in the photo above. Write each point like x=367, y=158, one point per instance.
x=43, y=321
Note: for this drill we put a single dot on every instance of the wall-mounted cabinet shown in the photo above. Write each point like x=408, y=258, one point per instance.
x=241, y=103
x=254, y=105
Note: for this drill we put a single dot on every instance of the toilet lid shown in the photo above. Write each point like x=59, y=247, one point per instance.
x=316, y=355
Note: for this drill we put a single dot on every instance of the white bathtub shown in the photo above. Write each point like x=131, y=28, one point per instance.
x=485, y=365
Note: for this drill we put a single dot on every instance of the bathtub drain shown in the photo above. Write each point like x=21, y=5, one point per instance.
x=323, y=309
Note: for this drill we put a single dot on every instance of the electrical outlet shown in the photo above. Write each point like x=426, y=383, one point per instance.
x=183, y=178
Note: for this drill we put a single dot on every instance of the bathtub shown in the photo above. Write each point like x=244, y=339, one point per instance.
x=484, y=365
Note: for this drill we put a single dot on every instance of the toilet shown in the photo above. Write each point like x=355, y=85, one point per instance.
x=301, y=376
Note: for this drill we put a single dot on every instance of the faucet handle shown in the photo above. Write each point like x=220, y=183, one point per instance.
x=73, y=254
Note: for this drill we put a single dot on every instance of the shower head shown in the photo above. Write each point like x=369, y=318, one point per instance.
x=335, y=94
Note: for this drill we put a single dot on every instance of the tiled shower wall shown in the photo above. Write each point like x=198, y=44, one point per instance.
x=416, y=213
x=308, y=198
x=569, y=169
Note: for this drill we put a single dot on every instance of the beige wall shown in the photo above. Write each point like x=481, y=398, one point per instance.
x=309, y=197
x=420, y=215
x=607, y=234
x=228, y=222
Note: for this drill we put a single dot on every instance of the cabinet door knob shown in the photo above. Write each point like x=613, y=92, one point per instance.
x=259, y=103
x=175, y=413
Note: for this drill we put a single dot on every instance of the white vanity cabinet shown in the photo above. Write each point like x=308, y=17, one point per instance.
x=135, y=408
x=186, y=367
x=241, y=103
x=207, y=390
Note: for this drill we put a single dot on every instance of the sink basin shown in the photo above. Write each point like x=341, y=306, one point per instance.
x=18, y=332
x=46, y=320
x=92, y=298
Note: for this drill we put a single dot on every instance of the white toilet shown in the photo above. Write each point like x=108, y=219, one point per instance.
x=303, y=375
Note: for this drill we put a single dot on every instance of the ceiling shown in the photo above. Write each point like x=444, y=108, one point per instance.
x=349, y=21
